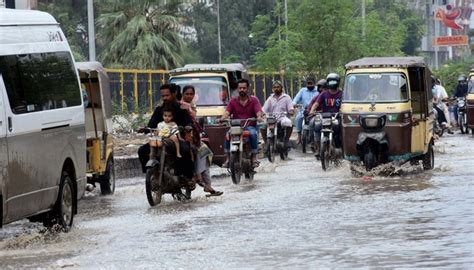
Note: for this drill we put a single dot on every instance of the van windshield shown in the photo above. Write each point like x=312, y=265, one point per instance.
x=375, y=87
x=210, y=91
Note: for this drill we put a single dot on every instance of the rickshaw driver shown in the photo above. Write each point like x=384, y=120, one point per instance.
x=330, y=102
x=182, y=118
x=244, y=106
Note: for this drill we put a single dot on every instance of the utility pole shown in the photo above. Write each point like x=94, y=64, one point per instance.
x=91, y=34
x=219, y=32
x=286, y=20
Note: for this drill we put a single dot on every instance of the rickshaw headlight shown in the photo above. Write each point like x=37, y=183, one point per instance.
x=371, y=122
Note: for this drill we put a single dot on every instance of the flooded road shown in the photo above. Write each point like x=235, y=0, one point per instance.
x=292, y=215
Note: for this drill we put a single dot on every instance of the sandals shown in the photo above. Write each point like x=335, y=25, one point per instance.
x=215, y=193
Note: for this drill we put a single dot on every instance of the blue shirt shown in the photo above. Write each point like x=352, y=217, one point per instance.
x=305, y=96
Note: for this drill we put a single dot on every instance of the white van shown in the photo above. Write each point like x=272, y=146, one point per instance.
x=42, y=132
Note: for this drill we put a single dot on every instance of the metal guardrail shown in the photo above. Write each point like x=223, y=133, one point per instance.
x=135, y=90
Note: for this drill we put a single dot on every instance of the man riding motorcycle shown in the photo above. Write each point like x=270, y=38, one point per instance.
x=279, y=102
x=329, y=102
x=181, y=117
x=460, y=92
x=244, y=106
x=303, y=97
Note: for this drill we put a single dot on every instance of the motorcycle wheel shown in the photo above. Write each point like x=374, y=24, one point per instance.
x=270, y=151
x=324, y=154
x=153, y=189
x=428, y=158
x=304, y=139
x=369, y=160
x=284, y=155
x=234, y=171
x=462, y=123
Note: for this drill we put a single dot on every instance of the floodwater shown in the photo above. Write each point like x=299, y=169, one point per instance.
x=292, y=215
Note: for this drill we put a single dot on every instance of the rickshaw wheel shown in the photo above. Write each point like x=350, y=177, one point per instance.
x=107, y=181
x=428, y=158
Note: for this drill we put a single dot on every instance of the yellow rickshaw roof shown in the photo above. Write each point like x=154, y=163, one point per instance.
x=190, y=68
x=380, y=62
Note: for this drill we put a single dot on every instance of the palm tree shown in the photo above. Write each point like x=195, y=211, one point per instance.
x=139, y=34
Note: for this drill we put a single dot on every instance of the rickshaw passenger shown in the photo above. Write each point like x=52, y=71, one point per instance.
x=329, y=101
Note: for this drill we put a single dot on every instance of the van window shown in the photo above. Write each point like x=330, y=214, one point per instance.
x=40, y=81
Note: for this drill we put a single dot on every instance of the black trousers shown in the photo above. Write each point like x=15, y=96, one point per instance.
x=184, y=165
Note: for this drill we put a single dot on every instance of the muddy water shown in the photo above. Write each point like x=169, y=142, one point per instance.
x=293, y=214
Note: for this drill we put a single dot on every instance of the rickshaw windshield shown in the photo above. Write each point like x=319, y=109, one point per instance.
x=210, y=91
x=375, y=87
x=471, y=84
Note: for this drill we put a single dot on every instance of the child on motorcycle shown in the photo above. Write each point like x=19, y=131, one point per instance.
x=168, y=129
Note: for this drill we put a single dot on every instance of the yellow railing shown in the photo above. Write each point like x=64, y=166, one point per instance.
x=135, y=89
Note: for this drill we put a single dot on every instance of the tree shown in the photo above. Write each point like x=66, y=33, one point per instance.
x=72, y=16
x=140, y=34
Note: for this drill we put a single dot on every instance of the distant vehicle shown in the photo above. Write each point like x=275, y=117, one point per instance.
x=387, y=111
x=215, y=84
x=42, y=133
x=98, y=120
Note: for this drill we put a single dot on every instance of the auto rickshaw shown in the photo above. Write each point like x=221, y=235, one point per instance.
x=215, y=84
x=98, y=119
x=470, y=102
x=387, y=112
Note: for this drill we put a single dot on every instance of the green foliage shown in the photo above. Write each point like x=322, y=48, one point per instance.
x=72, y=16
x=449, y=73
x=139, y=34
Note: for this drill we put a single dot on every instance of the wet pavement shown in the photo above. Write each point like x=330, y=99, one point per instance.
x=292, y=215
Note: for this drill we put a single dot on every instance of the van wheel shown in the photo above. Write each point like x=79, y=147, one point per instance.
x=107, y=181
x=63, y=212
x=428, y=158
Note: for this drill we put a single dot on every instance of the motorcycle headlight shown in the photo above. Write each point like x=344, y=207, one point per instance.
x=335, y=122
x=326, y=121
x=212, y=120
x=461, y=103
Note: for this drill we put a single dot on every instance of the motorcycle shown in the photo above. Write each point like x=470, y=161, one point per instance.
x=462, y=117
x=161, y=177
x=328, y=152
x=437, y=127
x=240, y=161
x=275, y=137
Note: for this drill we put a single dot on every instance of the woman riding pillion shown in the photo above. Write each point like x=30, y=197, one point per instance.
x=244, y=106
x=280, y=104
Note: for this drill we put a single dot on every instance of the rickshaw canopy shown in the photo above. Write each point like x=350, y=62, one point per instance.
x=379, y=62
x=105, y=95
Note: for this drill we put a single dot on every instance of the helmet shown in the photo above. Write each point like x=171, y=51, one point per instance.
x=321, y=82
x=462, y=78
x=333, y=80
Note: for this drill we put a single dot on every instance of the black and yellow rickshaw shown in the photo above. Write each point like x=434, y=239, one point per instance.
x=98, y=120
x=387, y=112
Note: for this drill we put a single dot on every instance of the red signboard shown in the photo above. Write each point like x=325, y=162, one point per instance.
x=451, y=41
